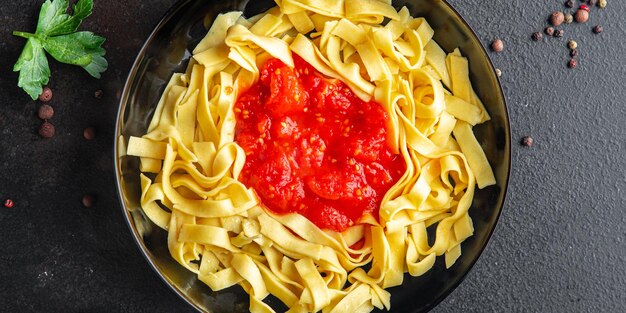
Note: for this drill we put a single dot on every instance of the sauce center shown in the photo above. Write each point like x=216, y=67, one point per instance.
x=313, y=147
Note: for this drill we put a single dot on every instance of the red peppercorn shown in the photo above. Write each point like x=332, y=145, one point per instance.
x=46, y=130
x=584, y=7
x=45, y=112
x=557, y=18
x=8, y=203
x=46, y=94
x=536, y=36
x=89, y=133
x=581, y=16
x=88, y=201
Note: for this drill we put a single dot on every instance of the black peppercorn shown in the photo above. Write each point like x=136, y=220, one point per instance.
x=527, y=141
x=559, y=33
x=497, y=45
x=537, y=36
x=573, y=53
x=98, y=94
x=597, y=29
x=569, y=3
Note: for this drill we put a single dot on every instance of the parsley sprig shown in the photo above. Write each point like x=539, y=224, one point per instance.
x=56, y=34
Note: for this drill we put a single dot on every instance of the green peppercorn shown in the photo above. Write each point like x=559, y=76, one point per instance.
x=569, y=18
x=572, y=45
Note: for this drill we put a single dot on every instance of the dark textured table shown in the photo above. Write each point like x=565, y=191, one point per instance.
x=559, y=247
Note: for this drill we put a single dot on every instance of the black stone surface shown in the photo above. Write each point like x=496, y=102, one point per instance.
x=560, y=245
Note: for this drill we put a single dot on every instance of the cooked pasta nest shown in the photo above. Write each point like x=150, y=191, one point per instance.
x=216, y=225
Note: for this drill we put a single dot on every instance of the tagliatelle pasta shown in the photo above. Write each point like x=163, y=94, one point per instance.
x=217, y=227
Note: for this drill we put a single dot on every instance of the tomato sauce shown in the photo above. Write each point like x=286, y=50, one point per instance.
x=313, y=147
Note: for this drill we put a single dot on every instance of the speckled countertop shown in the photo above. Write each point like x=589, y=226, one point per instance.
x=560, y=245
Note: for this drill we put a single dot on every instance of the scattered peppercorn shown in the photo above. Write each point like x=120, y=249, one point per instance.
x=572, y=45
x=602, y=4
x=537, y=36
x=559, y=33
x=46, y=94
x=497, y=45
x=45, y=112
x=569, y=18
x=527, y=141
x=572, y=63
x=549, y=31
x=498, y=72
x=8, y=203
x=597, y=29
x=592, y=2
x=88, y=201
x=573, y=53
x=46, y=130
x=98, y=94
x=557, y=18
x=89, y=133
x=581, y=16
x=569, y=3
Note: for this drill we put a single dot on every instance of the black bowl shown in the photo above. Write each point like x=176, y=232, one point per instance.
x=167, y=50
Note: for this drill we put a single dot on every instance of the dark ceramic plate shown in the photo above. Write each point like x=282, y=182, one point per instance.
x=167, y=50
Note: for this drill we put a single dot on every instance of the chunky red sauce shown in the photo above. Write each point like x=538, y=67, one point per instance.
x=313, y=147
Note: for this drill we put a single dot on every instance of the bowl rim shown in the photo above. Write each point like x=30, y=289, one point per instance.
x=133, y=71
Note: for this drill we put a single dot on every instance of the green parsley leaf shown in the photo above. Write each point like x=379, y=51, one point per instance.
x=56, y=34
x=53, y=20
x=33, y=68
x=82, y=49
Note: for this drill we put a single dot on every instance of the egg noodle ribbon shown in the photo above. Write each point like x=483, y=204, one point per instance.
x=216, y=226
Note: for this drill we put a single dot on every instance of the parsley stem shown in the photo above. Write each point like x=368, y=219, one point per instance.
x=23, y=34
